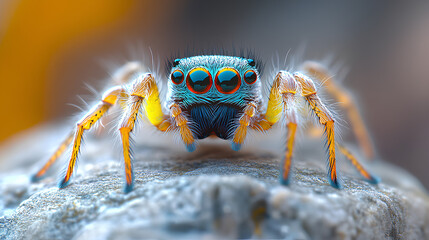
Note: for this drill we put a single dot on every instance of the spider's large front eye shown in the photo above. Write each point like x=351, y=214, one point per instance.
x=177, y=77
x=250, y=77
x=199, y=80
x=227, y=80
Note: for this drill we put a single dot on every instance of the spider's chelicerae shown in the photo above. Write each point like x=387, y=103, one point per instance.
x=215, y=95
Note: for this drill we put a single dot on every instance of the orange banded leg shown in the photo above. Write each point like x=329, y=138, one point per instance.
x=60, y=150
x=288, y=88
x=291, y=118
x=108, y=99
x=127, y=126
x=287, y=162
x=359, y=167
x=244, y=121
x=282, y=98
x=145, y=93
x=122, y=76
x=308, y=91
x=182, y=124
x=343, y=98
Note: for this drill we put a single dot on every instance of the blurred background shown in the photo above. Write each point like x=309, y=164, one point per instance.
x=50, y=49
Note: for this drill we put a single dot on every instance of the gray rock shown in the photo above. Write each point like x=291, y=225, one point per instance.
x=213, y=193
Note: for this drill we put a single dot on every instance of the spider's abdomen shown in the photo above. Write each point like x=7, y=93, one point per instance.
x=219, y=120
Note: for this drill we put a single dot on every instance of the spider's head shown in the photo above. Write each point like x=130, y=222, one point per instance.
x=214, y=80
x=212, y=91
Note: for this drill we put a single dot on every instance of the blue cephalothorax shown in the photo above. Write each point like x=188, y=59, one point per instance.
x=217, y=96
x=213, y=91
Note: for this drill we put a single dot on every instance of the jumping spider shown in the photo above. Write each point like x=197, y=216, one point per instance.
x=213, y=95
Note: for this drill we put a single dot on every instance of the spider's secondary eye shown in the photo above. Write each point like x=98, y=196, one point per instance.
x=176, y=62
x=227, y=80
x=199, y=80
x=177, y=77
x=250, y=77
x=251, y=62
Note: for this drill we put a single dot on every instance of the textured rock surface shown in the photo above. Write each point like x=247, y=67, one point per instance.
x=212, y=193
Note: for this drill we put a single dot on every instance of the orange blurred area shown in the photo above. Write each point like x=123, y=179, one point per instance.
x=36, y=33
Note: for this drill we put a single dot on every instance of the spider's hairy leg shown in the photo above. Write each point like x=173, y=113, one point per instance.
x=60, y=150
x=244, y=121
x=182, y=124
x=126, y=72
x=314, y=131
x=144, y=91
x=309, y=92
x=282, y=98
x=361, y=169
x=110, y=97
x=320, y=73
x=120, y=77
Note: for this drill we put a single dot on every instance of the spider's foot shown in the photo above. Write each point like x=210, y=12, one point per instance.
x=373, y=179
x=235, y=146
x=191, y=147
x=36, y=178
x=335, y=183
x=284, y=177
x=64, y=183
x=284, y=181
x=128, y=188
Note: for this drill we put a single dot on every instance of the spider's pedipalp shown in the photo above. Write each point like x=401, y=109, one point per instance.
x=244, y=121
x=183, y=125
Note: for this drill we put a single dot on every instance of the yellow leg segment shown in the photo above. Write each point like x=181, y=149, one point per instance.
x=361, y=169
x=109, y=99
x=244, y=121
x=282, y=95
x=275, y=105
x=319, y=72
x=60, y=150
x=308, y=91
x=145, y=93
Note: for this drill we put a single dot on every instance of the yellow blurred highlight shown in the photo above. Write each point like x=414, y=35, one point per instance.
x=37, y=31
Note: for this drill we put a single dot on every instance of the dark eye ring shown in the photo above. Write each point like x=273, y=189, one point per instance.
x=250, y=77
x=177, y=77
